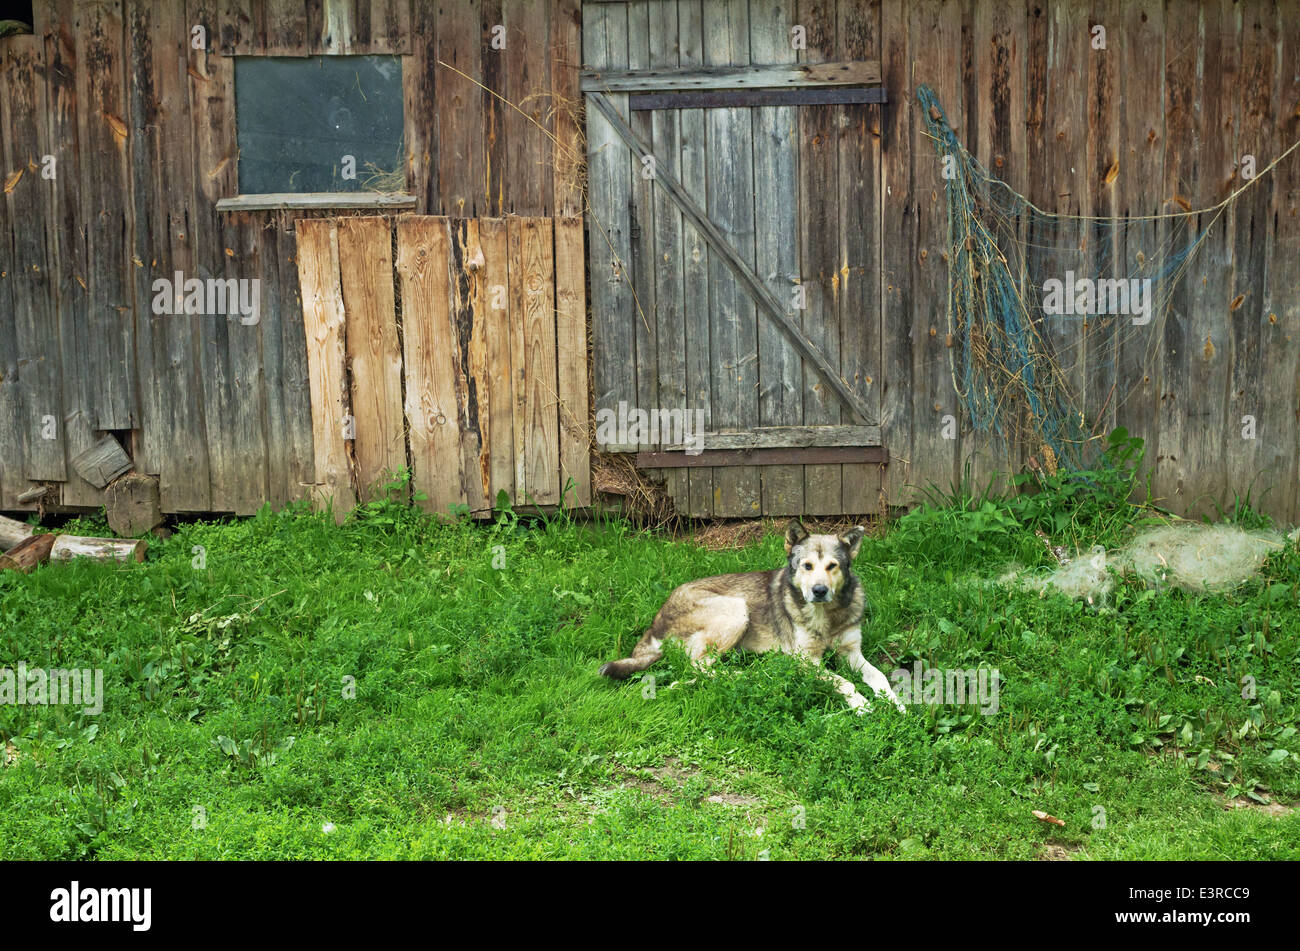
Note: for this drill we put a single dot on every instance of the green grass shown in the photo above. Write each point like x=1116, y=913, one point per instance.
x=479, y=729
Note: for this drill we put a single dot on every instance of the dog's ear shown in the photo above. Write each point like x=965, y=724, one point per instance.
x=852, y=540
x=794, y=534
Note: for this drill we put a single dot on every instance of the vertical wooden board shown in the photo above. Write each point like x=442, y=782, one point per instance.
x=373, y=350
x=528, y=127
x=468, y=335
x=33, y=303
x=1250, y=398
x=214, y=154
x=295, y=376
x=275, y=302
x=571, y=360
x=936, y=42
x=497, y=66
x=1102, y=162
x=695, y=257
x=243, y=247
x=666, y=264
x=1213, y=272
x=642, y=224
x=898, y=216
x=285, y=30
x=172, y=428
x=12, y=422
x=420, y=88
x=343, y=26
x=819, y=252
x=532, y=269
x=240, y=32
x=68, y=248
x=1281, y=339
x=1140, y=185
x=858, y=38
x=1183, y=124
x=423, y=248
x=459, y=105
x=733, y=324
x=609, y=250
x=494, y=241
x=566, y=103
x=324, y=326
x=390, y=26
x=998, y=131
x=106, y=214
x=776, y=251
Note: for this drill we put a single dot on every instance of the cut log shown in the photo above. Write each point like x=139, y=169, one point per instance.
x=103, y=462
x=67, y=547
x=133, y=505
x=28, y=554
x=32, y=494
x=13, y=531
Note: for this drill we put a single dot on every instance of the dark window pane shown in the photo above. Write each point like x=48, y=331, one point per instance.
x=299, y=116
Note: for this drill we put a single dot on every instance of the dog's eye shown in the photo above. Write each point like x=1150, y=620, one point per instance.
x=807, y=566
x=832, y=566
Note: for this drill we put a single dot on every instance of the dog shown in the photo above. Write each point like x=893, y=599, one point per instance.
x=805, y=608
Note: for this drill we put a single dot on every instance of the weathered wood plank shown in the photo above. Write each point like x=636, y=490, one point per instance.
x=373, y=350
x=1182, y=177
x=776, y=251
x=819, y=257
x=1256, y=414
x=469, y=328
x=214, y=156
x=695, y=254
x=731, y=458
x=420, y=88
x=566, y=103
x=459, y=105
x=324, y=323
x=787, y=437
x=1142, y=145
x=297, y=447
x=730, y=98
x=641, y=224
x=423, y=247
x=12, y=421
x=1281, y=339
x=733, y=325
x=494, y=240
x=1213, y=272
x=529, y=125
x=498, y=66
x=390, y=26
x=860, y=316
x=285, y=30
x=37, y=350
x=318, y=201
x=536, y=421
x=734, y=76
x=571, y=360
x=897, y=252
x=666, y=246
x=105, y=190
x=68, y=247
x=103, y=462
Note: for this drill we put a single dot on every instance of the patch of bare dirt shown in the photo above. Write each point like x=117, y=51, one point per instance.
x=1053, y=852
x=1271, y=808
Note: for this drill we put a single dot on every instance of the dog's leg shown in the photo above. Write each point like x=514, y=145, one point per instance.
x=851, y=647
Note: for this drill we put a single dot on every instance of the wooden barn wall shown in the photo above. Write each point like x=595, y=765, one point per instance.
x=1155, y=123
x=143, y=133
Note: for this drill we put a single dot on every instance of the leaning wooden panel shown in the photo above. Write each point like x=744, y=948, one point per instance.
x=571, y=357
x=323, y=322
x=423, y=245
x=532, y=269
x=374, y=352
x=495, y=283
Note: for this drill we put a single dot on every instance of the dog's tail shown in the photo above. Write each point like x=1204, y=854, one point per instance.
x=644, y=654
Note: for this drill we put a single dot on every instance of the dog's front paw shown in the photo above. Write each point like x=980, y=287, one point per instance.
x=860, y=704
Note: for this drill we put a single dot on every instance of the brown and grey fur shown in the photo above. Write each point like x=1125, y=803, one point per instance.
x=810, y=605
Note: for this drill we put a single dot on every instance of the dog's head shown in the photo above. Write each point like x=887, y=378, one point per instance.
x=819, y=564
